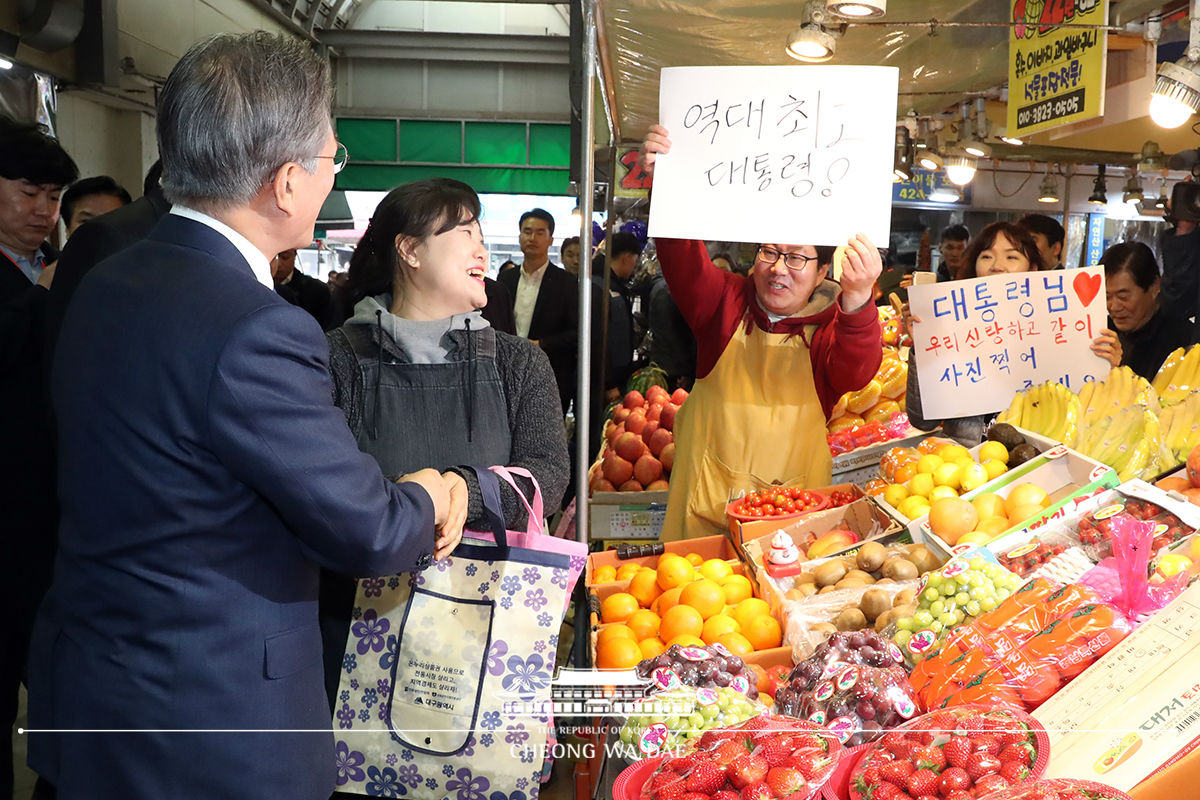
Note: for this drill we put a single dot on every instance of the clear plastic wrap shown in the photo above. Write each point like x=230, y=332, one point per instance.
x=767, y=756
x=1121, y=580
x=711, y=666
x=809, y=622
x=854, y=684
x=1024, y=651
x=959, y=752
x=1095, y=529
x=1058, y=789
x=669, y=720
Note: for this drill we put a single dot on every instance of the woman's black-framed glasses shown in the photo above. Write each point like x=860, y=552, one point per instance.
x=340, y=157
x=793, y=261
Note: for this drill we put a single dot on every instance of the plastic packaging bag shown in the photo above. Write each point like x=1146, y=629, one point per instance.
x=793, y=758
x=1058, y=789
x=1122, y=579
x=854, y=684
x=809, y=622
x=669, y=720
x=1018, y=655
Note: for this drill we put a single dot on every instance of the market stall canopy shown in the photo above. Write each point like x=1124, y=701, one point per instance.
x=946, y=50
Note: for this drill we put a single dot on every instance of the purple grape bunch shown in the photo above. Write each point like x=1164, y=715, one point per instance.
x=853, y=682
x=711, y=666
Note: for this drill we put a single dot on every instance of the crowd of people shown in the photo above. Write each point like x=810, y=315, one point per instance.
x=206, y=447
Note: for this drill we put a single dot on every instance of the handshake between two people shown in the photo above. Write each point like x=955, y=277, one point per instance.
x=449, y=494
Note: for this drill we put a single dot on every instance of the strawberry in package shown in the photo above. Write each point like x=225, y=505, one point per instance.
x=1059, y=789
x=764, y=758
x=1022, y=652
x=954, y=754
x=854, y=684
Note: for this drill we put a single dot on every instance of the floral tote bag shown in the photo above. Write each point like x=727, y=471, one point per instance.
x=445, y=688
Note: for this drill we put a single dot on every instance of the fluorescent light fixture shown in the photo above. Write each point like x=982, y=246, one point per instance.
x=1012, y=140
x=902, y=161
x=1176, y=93
x=5, y=63
x=812, y=43
x=976, y=148
x=1048, y=191
x=960, y=169
x=857, y=9
x=946, y=194
x=1099, y=189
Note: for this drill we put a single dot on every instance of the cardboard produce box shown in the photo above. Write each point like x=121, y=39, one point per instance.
x=706, y=547
x=1136, y=708
x=626, y=515
x=863, y=517
x=1060, y=471
x=744, y=531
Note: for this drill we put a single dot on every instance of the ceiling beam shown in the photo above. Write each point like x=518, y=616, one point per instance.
x=427, y=46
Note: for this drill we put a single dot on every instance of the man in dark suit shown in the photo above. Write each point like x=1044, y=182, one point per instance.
x=546, y=300
x=301, y=290
x=204, y=473
x=33, y=171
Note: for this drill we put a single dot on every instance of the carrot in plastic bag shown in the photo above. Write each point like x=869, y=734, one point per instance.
x=1067, y=599
x=1028, y=595
x=1099, y=625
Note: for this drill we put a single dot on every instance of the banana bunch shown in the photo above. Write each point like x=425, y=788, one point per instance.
x=1181, y=428
x=1121, y=389
x=1129, y=440
x=1179, y=375
x=1050, y=409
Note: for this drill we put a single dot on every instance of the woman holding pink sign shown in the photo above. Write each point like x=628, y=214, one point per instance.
x=1001, y=247
x=775, y=350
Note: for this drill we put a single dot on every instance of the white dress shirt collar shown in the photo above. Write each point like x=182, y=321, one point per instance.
x=259, y=263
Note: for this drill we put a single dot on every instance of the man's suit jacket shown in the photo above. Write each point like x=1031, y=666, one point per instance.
x=555, y=322
x=205, y=476
x=94, y=241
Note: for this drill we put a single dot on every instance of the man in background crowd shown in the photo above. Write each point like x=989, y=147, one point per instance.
x=546, y=300
x=569, y=253
x=91, y=197
x=33, y=171
x=300, y=290
x=953, y=247
x=1049, y=236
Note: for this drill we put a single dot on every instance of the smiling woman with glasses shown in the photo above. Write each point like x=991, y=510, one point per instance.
x=775, y=350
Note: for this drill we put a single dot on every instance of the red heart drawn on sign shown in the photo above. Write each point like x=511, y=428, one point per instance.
x=1086, y=287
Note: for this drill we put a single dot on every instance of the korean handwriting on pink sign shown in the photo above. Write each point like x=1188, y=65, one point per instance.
x=999, y=334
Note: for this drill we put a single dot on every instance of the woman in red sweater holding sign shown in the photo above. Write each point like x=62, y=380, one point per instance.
x=775, y=350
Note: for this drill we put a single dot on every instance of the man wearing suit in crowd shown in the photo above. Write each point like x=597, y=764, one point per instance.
x=33, y=171
x=205, y=475
x=546, y=300
x=96, y=240
x=301, y=290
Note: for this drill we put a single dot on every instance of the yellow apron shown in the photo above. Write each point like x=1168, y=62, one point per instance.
x=754, y=421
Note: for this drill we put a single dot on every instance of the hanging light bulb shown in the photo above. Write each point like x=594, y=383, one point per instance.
x=858, y=9
x=960, y=168
x=946, y=194
x=1099, y=189
x=1048, y=191
x=1176, y=93
x=1133, y=191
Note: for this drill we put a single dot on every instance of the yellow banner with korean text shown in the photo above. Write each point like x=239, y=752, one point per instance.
x=1057, y=56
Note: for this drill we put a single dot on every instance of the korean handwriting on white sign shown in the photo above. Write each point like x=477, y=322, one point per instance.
x=775, y=154
x=980, y=341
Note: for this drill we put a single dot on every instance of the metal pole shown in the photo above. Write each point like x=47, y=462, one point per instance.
x=587, y=176
x=1067, y=220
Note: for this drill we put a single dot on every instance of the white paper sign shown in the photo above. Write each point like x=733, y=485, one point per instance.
x=790, y=155
x=982, y=340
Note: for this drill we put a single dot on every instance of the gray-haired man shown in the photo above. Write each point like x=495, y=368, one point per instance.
x=204, y=473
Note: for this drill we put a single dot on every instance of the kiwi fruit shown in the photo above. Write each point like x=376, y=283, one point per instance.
x=899, y=612
x=904, y=597
x=824, y=628
x=925, y=561
x=865, y=577
x=804, y=577
x=829, y=573
x=871, y=556
x=899, y=569
x=806, y=589
x=874, y=602
x=793, y=594
x=1006, y=435
x=851, y=619
x=826, y=589
x=1020, y=454
x=884, y=581
x=883, y=620
x=850, y=583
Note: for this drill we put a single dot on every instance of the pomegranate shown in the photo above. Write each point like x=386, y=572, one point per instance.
x=678, y=396
x=667, y=417
x=630, y=486
x=667, y=456
x=657, y=394
x=659, y=440
x=654, y=411
x=648, y=431
x=647, y=469
x=616, y=470
x=614, y=432
x=634, y=400
x=628, y=446
x=636, y=421
x=603, y=485
x=658, y=486
x=620, y=414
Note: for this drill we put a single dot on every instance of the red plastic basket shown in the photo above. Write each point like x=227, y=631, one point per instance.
x=1017, y=792
x=629, y=784
x=1040, y=739
x=733, y=510
x=838, y=785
